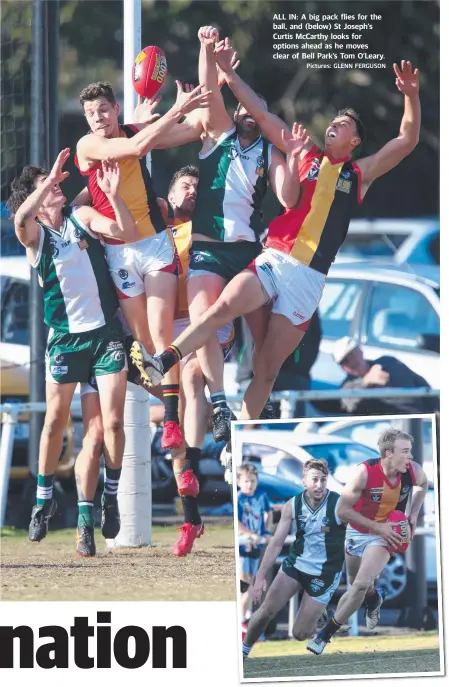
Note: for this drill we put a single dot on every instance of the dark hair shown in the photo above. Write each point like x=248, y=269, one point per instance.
x=23, y=186
x=99, y=89
x=316, y=464
x=349, y=112
x=239, y=105
x=187, y=171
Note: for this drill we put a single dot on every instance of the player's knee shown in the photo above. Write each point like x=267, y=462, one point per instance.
x=113, y=425
x=266, y=371
x=192, y=379
x=54, y=425
x=301, y=634
x=361, y=585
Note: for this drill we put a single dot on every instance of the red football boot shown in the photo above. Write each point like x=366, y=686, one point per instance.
x=187, y=538
x=188, y=484
x=171, y=435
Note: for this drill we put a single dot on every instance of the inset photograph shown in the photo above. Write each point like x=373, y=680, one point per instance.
x=338, y=548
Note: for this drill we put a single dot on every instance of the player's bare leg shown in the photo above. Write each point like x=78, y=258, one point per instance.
x=161, y=290
x=112, y=391
x=257, y=322
x=280, y=592
x=185, y=463
x=309, y=613
x=202, y=292
x=282, y=338
x=59, y=398
x=374, y=560
x=135, y=313
x=87, y=469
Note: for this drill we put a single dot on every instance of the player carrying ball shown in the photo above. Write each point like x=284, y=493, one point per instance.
x=301, y=245
x=378, y=488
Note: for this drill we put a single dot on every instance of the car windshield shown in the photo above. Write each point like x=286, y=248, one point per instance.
x=373, y=245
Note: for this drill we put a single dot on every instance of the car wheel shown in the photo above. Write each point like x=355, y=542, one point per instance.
x=393, y=578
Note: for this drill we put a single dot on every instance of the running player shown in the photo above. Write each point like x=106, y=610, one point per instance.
x=302, y=243
x=315, y=560
x=194, y=407
x=235, y=165
x=379, y=487
x=143, y=270
x=85, y=338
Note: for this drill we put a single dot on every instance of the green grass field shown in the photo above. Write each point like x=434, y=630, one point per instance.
x=411, y=653
x=52, y=571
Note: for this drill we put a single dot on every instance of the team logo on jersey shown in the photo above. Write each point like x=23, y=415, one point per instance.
x=123, y=274
x=54, y=249
x=78, y=234
x=233, y=153
x=325, y=527
x=313, y=172
x=376, y=493
x=260, y=166
x=404, y=492
x=59, y=359
x=343, y=185
x=302, y=522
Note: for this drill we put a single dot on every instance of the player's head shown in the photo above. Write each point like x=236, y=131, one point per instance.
x=349, y=355
x=24, y=185
x=247, y=478
x=344, y=133
x=395, y=446
x=100, y=108
x=182, y=191
x=315, y=476
x=244, y=123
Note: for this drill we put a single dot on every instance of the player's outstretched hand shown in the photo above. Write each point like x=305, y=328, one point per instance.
x=108, y=177
x=226, y=58
x=407, y=79
x=386, y=531
x=208, y=35
x=57, y=174
x=191, y=98
x=145, y=110
x=257, y=589
x=295, y=144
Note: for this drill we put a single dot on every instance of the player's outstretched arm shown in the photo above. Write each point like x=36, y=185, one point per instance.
x=27, y=229
x=374, y=166
x=271, y=125
x=124, y=228
x=92, y=148
x=418, y=495
x=346, y=513
x=215, y=118
x=284, y=174
x=273, y=550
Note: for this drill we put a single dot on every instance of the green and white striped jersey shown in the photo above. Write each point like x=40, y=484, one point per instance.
x=233, y=183
x=79, y=295
x=319, y=547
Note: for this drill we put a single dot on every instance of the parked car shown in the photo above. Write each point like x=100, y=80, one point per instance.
x=388, y=311
x=366, y=431
x=402, y=241
x=278, y=454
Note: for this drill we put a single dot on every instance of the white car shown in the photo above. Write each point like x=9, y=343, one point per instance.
x=388, y=311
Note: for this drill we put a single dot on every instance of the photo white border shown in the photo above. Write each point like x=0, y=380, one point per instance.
x=235, y=428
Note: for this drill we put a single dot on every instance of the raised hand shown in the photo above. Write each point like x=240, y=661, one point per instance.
x=407, y=79
x=108, y=177
x=295, y=143
x=57, y=174
x=208, y=35
x=144, y=112
x=191, y=98
x=227, y=60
